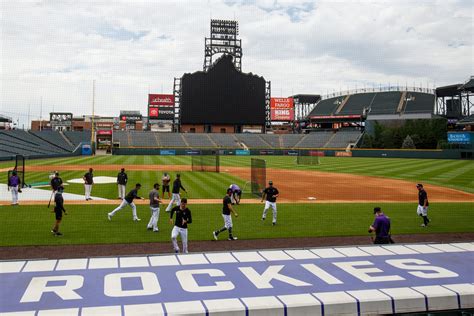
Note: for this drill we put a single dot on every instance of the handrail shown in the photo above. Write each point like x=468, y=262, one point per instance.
x=379, y=89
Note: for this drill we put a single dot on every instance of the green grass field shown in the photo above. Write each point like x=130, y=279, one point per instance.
x=30, y=225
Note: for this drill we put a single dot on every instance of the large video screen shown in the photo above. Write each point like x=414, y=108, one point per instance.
x=223, y=95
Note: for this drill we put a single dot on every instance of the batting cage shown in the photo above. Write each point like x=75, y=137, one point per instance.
x=209, y=163
x=308, y=158
x=258, y=176
x=19, y=168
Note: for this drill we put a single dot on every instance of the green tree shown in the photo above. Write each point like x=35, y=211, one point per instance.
x=408, y=143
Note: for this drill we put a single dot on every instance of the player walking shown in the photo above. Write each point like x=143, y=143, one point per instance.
x=154, y=196
x=122, y=180
x=226, y=215
x=423, y=204
x=381, y=227
x=165, y=181
x=236, y=194
x=58, y=210
x=56, y=182
x=88, y=182
x=14, y=185
x=176, y=198
x=183, y=218
x=128, y=200
x=271, y=193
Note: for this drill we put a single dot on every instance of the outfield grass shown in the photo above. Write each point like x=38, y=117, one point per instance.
x=457, y=174
x=30, y=225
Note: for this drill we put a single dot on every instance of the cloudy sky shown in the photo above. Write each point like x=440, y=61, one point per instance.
x=53, y=50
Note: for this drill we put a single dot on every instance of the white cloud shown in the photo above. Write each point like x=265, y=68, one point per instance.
x=55, y=49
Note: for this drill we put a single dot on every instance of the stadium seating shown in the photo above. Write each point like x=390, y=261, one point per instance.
x=356, y=103
x=77, y=137
x=385, y=103
x=418, y=102
x=122, y=138
x=327, y=106
x=171, y=140
x=225, y=140
x=198, y=140
x=290, y=140
x=252, y=140
x=314, y=140
x=342, y=138
x=272, y=140
x=143, y=139
x=54, y=138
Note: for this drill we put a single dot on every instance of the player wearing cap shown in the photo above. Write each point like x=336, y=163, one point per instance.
x=122, y=180
x=58, y=210
x=236, y=194
x=14, y=184
x=165, y=181
x=226, y=215
x=183, y=218
x=423, y=204
x=88, y=182
x=128, y=200
x=154, y=208
x=271, y=193
x=176, y=198
x=381, y=227
x=56, y=182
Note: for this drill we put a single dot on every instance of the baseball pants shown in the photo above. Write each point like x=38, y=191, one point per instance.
x=122, y=205
x=155, y=215
x=121, y=191
x=273, y=205
x=88, y=190
x=175, y=198
x=422, y=211
x=227, y=221
x=184, y=238
x=14, y=194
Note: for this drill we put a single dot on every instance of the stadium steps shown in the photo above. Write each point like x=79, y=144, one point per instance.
x=341, y=106
x=265, y=141
x=212, y=141
x=158, y=143
x=280, y=142
x=300, y=141
x=185, y=141
x=402, y=102
x=44, y=139
x=330, y=140
x=67, y=140
x=129, y=138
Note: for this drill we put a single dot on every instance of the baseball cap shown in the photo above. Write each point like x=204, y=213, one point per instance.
x=377, y=209
x=229, y=190
x=270, y=182
x=178, y=175
x=184, y=200
x=419, y=185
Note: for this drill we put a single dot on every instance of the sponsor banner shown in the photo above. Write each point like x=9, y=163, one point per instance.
x=131, y=118
x=459, y=138
x=335, y=117
x=343, y=154
x=161, y=113
x=242, y=152
x=104, y=132
x=291, y=152
x=161, y=100
x=267, y=152
x=193, y=152
x=167, y=152
x=415, y=277
x=316, y=153
x=282, y=109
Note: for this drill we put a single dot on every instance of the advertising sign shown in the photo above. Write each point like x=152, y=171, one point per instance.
x=167, y=152
x=343, y=154
x=104, y=132
x=60, y=119
x=459, y=138
x=161, y=106
x=242, y=152
x=282, y=109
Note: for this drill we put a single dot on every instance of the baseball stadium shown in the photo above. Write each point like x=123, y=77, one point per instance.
x=320, y=166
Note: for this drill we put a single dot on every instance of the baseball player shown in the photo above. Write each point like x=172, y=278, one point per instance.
x=271, y=193
x=381, y=227
x=14, y=185
x=165, y=181
x=183, y=218
x=56, y=182
x=122, y=180
x=58, y=210
x=236, y=194
x=154, y=196
x=423, y=204
x=88, y=182
x=128, y=200
x=176, y=198
x=226, y=215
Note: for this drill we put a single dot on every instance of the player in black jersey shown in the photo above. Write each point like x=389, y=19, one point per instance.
x=423, y=204
x=58, y=210
x=183, y=218
x=226, y=215
x=271, y=193
x=128, y=200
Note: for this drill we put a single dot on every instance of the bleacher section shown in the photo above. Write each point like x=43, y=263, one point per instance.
x=252, y=140
x=327, y=107
x=225, y=140
x=171, y=140
x=342, y=138
x=77, y=137
x=356, y=104
x=143, y=139
x=385, y=103
x=419, y=103
x=198, y=141
x=55, y=138
x=314, y=140
x=122, y=138
x=290, y=140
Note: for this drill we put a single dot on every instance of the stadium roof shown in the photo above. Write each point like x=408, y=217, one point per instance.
x=307, y=98
x=469, y=85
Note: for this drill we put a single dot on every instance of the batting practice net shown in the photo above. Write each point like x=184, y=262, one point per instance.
x=209, y=163
x=19, y=168
x=258, y=175
x=307, y=160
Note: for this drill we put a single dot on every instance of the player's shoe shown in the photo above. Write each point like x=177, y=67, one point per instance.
x=156, y=230
x=423, y=225
x=274, y=223
x=176, y=251
x=232, y=238
x=53, y=232
x=136, y=219
x=149, y=228
x=263, y=218
x=214, y=235
x=58, y=234
x=109, y=216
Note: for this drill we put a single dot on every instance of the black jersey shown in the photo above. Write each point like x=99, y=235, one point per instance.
x=56, y=183
x=180, y=215
x=133, y=194
x=225, y=205
x=89, y=178
x=177, y=185
x=422, y=196
x=270, y=192
x=122, y=178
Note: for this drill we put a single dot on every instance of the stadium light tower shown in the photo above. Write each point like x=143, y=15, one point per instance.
x=224, y=40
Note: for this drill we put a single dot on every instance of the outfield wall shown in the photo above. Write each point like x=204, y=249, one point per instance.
x=381, y=153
